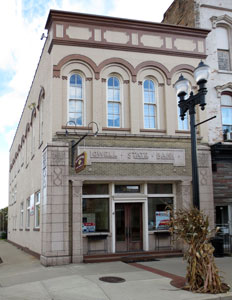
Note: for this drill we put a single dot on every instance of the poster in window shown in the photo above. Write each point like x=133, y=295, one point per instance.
x=88, y=223
x=162, y=220
x=88, y=227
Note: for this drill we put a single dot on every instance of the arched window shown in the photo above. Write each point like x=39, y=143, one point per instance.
x=150, y=104
x=223, y=48
x=113, y=102
x=226, y=109
x=76, y=100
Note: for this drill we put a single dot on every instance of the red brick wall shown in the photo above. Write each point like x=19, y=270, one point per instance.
x=222, y=182
x=181, y=12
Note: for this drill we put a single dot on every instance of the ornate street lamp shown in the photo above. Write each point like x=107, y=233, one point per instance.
x=182, y=86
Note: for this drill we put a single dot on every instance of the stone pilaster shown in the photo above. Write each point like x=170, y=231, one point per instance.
x=77, y=243
x=184, y=195
x=206, y=183
x=55, y=205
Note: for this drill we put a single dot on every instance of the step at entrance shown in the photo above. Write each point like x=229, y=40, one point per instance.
x=131, y=257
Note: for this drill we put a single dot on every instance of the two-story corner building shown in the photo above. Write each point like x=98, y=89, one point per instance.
x=114, y=77
x=217, y=17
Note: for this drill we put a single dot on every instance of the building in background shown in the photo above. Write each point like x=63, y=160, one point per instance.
x=216, y=16
x=113, y=77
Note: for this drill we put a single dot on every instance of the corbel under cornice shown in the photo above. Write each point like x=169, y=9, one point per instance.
x=222, y=88
x=221, y=19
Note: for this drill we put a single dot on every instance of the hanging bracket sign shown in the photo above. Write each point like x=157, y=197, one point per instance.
x=80, y=162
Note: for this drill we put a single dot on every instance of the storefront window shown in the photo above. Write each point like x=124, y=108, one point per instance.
x=159, y=188
x=95, y=216
x=159, y=212
x=95, y=189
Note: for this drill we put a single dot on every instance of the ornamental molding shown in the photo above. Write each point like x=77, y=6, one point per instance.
x=222, y=88
x=221, y=19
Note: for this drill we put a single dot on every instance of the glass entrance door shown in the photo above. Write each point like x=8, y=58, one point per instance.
x=129, y=233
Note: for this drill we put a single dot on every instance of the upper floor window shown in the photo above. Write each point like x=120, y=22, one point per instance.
x=113, y=102
x=149, y=104
x=21, y=215
x=226, y=109
x=223, y=48
x=37, y=209
x=76, y=99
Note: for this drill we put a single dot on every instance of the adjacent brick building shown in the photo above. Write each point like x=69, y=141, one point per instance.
x=215, y=15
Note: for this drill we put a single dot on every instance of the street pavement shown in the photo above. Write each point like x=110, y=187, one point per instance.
x=22, y=277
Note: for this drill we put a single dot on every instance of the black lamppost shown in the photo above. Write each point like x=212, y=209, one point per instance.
x=182, y=86
x=74, y=144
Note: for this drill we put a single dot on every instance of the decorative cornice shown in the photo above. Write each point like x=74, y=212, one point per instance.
x=161, y=51
x=74, y=57
x=116, y=60
x=41, y=96
x=97, y=21
x=221, y=19
x=222, y=88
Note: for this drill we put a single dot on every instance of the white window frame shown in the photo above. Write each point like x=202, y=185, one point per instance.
x=37, y=209
x=228, y=30
x=83, y=100
x=226, y=106
x=155, y=104
x=120, y=102
x=32, y=138
x=28, y=212
x=21, y=215
x=41, y=122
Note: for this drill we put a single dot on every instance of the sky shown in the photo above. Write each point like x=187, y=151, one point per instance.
x=21, y=26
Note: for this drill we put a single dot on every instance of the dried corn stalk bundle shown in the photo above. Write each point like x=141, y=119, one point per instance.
x=192, y=226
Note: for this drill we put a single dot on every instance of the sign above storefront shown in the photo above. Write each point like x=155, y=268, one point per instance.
x=80, y=162
x=136, y=155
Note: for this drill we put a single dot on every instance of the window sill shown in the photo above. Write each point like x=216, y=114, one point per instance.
x=77, y=127
x=153, y=130
x=20, y=229
x=36, y=229
x=96, y=234
x=182, y=131
x=224, y=72
x=159, y=231
x=115, y=129
x=27, y=229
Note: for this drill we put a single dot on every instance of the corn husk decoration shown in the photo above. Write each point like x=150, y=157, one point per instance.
x=192, y=227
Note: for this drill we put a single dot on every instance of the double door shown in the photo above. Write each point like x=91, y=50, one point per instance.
x=129, y=231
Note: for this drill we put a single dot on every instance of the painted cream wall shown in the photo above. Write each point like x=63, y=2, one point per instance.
x=28, y=176
x=26, y=173
x=132, y=92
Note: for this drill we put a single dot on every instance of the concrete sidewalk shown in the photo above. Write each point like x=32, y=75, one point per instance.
x=22, y=277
